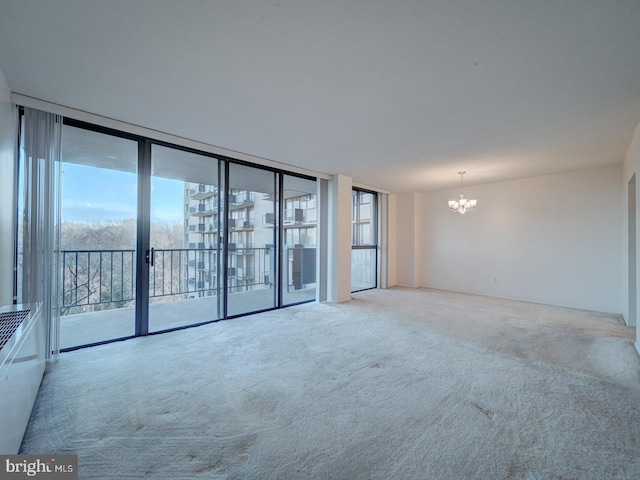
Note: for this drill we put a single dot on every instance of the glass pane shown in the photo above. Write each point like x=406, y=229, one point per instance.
x=363, y=269
x=299, y=250
x=364, y=261
x=362, y=219
x=354, y=217
x=365, y=207
x=98, y=237
x=184, y=286
x=251, y=274
x=365, y=234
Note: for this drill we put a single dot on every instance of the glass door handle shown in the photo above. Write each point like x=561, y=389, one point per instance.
x=149, y=257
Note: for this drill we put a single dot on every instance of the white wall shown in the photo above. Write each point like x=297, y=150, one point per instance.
x=630, y=166
x=7, y=149
x=407, y=242
x=553, y=239
x=339, y=248
x=392, y=241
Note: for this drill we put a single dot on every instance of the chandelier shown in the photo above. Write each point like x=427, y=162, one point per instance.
x=462, y=205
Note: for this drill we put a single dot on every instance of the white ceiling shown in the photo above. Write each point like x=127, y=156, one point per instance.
x=399, y=95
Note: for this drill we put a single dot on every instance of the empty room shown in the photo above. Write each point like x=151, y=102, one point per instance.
x=333, y=240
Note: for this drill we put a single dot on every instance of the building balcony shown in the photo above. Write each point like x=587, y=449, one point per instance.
x=241, y=200
x=202, y=191
x=293, y=217
x=244, y=248
x=240, y=224
x=202, y=210
x=300, y=216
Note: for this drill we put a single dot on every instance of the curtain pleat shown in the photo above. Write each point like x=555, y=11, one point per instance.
x=41, y=219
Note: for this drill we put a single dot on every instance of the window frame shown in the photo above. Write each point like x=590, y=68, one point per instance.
x=356, y=234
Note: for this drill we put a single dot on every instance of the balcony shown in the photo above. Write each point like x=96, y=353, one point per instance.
x=293, y=217
x=98, y=294
x=300, y=216
x=202, y=210
x=245, y=274
x=240, y=224
x=91, y=327
x=107, y=277
x=268, y=219
x=245, y=249
x=240, y=200
x=201, y=227
x=202, y=191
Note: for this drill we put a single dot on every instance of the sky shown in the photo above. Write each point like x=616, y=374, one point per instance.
x=91, y=194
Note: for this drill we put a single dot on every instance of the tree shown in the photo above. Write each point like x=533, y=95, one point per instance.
x=98, y=262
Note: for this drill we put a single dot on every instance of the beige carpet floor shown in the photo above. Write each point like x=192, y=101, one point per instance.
x=396, y=384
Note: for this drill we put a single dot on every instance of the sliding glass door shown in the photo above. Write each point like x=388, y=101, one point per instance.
x=98, y=237
x=252, y=256
x=156, y=237
x=185, y=217
x=300, y=220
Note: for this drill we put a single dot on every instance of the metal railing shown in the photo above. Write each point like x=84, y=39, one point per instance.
x=94, y=277
x=292, y=216
x=106, y=279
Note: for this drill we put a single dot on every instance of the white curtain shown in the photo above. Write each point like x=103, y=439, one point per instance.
x=40, y=164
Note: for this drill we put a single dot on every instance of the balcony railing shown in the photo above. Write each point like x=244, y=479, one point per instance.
x=203, y=210
x=240, y=224
x=299, y=215
x=292, y=217
x=241, y=198
x=105, y=279
x=92, y=277
x=202, y=191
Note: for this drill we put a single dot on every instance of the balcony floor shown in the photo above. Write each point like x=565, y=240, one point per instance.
x=92, y=327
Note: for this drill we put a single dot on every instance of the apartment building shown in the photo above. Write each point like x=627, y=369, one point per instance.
x=251, y=224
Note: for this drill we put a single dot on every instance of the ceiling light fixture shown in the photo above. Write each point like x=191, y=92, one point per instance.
x=462, y=205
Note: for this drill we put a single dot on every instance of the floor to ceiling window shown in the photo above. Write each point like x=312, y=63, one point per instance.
x=98, y=228
x=156, y=237
x=252, y=256
x=300, y=239
x=364, y=236
x=185, y=230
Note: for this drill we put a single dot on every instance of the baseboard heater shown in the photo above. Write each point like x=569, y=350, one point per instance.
x=22, y=362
